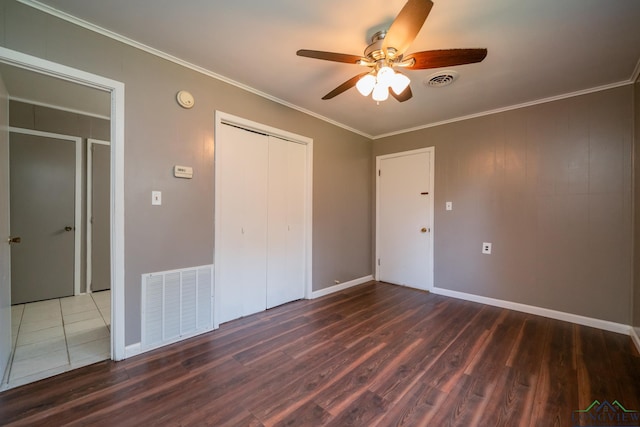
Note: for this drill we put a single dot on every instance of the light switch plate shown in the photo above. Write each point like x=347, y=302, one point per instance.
x=156, y=198
x=449, y=206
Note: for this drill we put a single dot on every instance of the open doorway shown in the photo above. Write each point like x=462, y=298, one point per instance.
x=61, y=77
x=57, y=323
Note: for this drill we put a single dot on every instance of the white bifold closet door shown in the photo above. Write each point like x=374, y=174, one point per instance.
x=285, y=234
x=260, y=253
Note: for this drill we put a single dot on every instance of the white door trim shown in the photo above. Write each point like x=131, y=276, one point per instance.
x=220, y=119
x=116, y=89
x=89, y=234
x=77, y=209
x=432, y=159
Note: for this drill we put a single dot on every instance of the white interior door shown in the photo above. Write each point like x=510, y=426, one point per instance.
x=286, y=248
x=405, y=218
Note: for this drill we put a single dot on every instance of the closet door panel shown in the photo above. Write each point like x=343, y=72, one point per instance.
x=241, y=252
x=285, y=272
x=297, y=185
x=277, y=264
x=229, y=258
x=255, y=168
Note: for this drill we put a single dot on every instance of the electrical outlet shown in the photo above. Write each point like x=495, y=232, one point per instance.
x=449, y=206
x=486, y=248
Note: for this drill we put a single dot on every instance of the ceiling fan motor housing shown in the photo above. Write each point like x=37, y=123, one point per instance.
x=374, y=50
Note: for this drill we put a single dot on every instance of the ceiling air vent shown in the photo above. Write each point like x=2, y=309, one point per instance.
x=440, y=79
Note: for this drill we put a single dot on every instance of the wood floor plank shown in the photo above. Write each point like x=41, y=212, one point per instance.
x=556, y=390
x=318, y=380
x=503, y=336
x=341, y=393
x=464, y=406
x=466, y=403
x=597, y=377
x=416, y=408
x=371, y=355
x=437, y=334
x=511, y=402
x=363, y=410
x=41, y=396
x=309, y=414
x=450, y=365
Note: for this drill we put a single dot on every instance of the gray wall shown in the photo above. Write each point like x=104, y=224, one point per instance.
x=159, y=134
x=551, y=187
x=36, y=117
x=636, y=240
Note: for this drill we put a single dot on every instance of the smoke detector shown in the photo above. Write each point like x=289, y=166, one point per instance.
x=441, y=78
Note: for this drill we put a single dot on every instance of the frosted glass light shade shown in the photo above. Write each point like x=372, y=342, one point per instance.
x=399, y=83
x=380, y=92
x=385, y=76
x=365, y=84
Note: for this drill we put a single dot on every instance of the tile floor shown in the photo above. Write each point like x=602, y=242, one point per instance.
x=54, y=336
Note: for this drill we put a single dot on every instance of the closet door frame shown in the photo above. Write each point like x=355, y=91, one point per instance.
x=223, y=119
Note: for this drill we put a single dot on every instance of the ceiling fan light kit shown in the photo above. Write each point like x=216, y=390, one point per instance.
x=380, y=93
x=387, y=52
x=366, y=84
x=381, y=82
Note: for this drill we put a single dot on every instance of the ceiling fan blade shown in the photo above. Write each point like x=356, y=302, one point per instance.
x=407, y=25
x=344, y=86
x=445, y=58
x=329, y=56
x=404, y=96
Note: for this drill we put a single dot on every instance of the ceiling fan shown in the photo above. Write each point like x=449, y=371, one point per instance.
x=387, y=53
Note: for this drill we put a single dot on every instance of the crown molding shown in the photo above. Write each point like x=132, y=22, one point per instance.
x=509, y=108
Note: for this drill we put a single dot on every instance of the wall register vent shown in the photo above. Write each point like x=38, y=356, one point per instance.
x=441, y=79
x=176, y=305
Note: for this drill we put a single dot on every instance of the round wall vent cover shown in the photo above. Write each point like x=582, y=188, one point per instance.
x=440, y=79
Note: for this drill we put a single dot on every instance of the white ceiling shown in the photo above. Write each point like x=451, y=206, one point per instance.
x=537, y=49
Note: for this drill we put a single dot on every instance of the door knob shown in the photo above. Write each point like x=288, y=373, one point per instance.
x=423, y=230
x=67, y=228
x=11, y=240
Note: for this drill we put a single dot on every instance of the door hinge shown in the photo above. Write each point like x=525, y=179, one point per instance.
x=379, y=172
x=378, y=261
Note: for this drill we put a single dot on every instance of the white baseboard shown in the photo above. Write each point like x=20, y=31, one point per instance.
x=340, y=287
x=635, y=337
x=136, y=349
x=132, y=350
x=539, y=311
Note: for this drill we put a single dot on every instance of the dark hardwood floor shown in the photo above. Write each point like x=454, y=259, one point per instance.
x=374, y=355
